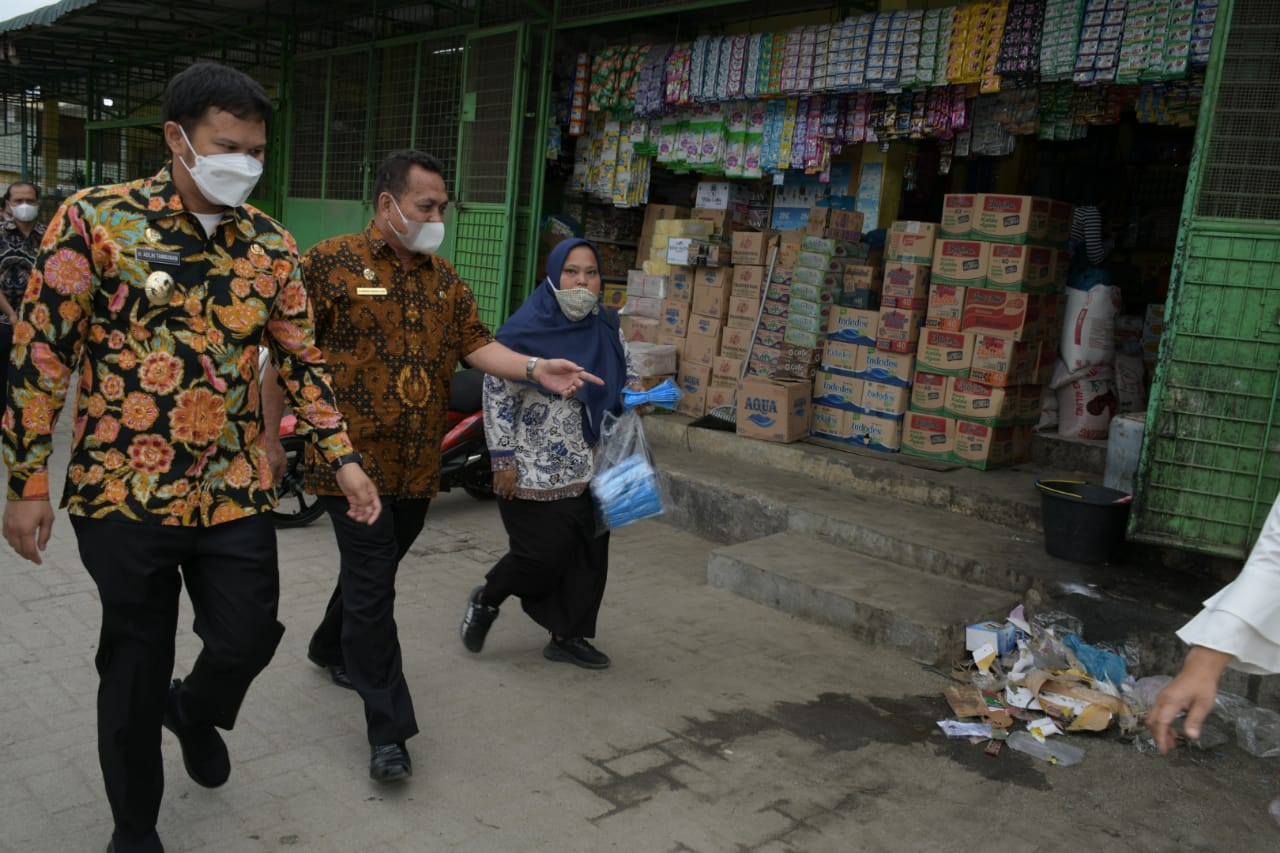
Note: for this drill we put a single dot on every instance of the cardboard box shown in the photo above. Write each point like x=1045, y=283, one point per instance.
x=898, y=329
x=889, y=368
x=694, y=380
x=846, y=225
x=799, y=361
x=838, y=355
x=853, y=325
x=766, y=356
x=701, y=324
x=1002, y=361
x=722, y=221
x=721, y=195
x=888, y=400
x=809, y=338
x=875, y=432
x=974, y=401
x=640, y=329
x=709, y=301
x=830, y=422
x=736, y=338
x=726, y=370
x=675, y=317
x=640, y=283
x=748, y=280
x=681, y=250
x=929, y=392
x=700, y=349
x=905, y=281
x=743, y=308
x=671, y=339
x=1010, y=218
x=751, y=247
x=1011, y=314
x=720, y=395
x=861, y=277
x=983, y=446
x=650, y=359
x=1002, y=636
x=911, y=242
x=957, y=216
x=680, y=279
x=961, y=262
x=947, y=353
x=1034, y=269
x=654, y=213
x=837, y=390
x=773, y=409
x=928, y=435
x=642, y=306
x=712, y=276
x=946, y=307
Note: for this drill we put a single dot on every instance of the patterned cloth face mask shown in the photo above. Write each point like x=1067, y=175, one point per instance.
x=576, y=303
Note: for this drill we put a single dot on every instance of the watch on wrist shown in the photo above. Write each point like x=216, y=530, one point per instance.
x=346, y=458
x=528, y=368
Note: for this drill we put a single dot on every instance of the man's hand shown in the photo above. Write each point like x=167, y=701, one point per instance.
x=27, y=527
x=362, y=494
x=1193, y=691
x=504, y=482
x=276, y=458
x=561, y=376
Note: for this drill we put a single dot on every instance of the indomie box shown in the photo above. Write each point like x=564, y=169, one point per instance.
x=929, y=392
x=946, y=307
x=957, y=215
x=974, y=401
x=947, y=353
x=1002, y=361
x=928, y=435
x=1010, y=218
x=1003, y=312
x=1029, y=268
x=773, y=409
x=984, y=446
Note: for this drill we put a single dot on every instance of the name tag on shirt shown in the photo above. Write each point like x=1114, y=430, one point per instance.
x=371, y=291
x=158, y=256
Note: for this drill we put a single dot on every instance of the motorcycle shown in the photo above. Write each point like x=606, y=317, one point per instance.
x=464, y=455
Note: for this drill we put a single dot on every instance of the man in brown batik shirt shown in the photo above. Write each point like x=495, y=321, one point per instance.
x=393, y=320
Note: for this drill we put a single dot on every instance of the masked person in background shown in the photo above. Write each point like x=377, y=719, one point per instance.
x=20, y=236
x=543, y=452
x=160, y=291
x=394, y=319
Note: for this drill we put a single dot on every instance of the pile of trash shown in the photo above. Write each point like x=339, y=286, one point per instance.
x=1029, y=682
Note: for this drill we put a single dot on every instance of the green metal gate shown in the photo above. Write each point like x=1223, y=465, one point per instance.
x=1210, y=465
x=489, y=154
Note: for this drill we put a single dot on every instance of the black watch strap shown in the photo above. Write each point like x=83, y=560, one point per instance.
x=345, y=458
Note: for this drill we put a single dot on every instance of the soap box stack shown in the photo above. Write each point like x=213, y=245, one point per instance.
x=991, y=329
x=863, y=387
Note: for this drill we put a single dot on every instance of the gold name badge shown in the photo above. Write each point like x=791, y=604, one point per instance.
x=371, y=291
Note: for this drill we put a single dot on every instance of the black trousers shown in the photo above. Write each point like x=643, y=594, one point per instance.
x=359, y=625
x=233, y=581
x=555, y=563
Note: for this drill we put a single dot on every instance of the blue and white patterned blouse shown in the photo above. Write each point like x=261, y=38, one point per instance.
x=540, y=435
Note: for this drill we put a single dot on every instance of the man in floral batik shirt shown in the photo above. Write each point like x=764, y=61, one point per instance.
x=160, y=292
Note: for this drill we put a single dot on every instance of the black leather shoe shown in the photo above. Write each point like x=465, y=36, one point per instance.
x=389, y=762
x=203, y=752
x=576, y=650
x=477, y=621
x=337, y=671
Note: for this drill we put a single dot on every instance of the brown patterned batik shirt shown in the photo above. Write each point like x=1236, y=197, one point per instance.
x=392, y=336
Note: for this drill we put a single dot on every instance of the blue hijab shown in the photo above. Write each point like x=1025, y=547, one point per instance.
x=539, y=327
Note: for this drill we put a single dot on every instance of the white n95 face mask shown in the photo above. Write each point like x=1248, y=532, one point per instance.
x=223, y=178
x=421, y=238
x=25, y=212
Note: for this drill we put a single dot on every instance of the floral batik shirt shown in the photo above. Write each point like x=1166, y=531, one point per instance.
x=168, y=418
x=393, y=335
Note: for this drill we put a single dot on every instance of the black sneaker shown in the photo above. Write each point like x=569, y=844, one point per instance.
x=203, y=752
x=477, y=621
x=576, y=650
x=389, y=762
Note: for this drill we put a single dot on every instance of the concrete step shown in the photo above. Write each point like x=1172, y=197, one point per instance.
x=741, y=501
x=876, y=601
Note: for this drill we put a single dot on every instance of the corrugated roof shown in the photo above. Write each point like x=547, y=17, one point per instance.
x=43, y=16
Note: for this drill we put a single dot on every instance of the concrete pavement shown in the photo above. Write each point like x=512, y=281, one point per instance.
x=722, y=726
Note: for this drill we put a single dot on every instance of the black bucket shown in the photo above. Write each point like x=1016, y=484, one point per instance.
x=1082, y=522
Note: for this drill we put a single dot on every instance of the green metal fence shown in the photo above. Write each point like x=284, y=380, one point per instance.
x=1210, y=464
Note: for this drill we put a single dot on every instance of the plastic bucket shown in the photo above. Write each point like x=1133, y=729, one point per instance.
x=1082, y=522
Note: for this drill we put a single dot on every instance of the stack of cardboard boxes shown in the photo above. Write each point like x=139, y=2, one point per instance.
x=863, y=388
x=990, y=329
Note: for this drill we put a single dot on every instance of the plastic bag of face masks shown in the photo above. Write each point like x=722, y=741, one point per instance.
x=625, y=487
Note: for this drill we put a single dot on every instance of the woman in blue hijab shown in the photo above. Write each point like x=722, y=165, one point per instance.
x=543, y=453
